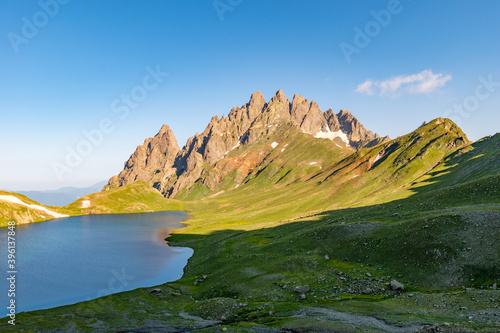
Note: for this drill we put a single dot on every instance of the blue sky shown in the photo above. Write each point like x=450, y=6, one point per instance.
x=66, y=65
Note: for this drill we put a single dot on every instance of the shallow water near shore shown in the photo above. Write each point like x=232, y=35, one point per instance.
x=74, y=259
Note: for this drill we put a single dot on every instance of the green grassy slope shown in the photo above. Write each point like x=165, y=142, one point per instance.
x=426, y=214
x=475, y=161
x=22, y=214
x=133, y=198
x=295, y=156
x=341, y=182
x=345, y=257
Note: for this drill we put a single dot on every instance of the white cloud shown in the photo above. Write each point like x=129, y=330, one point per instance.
x=365, y=87
x=424, y=82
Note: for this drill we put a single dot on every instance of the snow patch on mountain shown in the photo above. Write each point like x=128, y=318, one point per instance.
x=237, y=145
x=332, y=135
x=15, y=200
x=379, y=156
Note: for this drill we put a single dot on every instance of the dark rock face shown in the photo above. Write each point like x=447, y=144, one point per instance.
x=160, y=163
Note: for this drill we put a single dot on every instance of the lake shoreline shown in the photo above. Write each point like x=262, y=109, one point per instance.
x=162, y=234
x=151, y=230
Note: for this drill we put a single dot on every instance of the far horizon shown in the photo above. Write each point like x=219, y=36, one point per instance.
x=70, y=79
x=55, y=189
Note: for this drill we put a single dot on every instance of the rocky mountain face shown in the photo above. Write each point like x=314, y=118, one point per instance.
x=160, y=163
x=152, y=162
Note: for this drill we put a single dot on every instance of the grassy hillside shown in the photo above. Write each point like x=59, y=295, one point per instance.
x=446, y=258
x=318, y=253
x=133, y=198
x=22, y=214
x=360, y=179
x=294, y=156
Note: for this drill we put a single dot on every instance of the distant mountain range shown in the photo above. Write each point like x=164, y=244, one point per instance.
x=63, y=196
x=227, y=145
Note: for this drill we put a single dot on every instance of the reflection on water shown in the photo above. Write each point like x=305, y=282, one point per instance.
x=69, y=260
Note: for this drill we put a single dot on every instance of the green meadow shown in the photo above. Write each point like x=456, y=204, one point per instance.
x=316, y=247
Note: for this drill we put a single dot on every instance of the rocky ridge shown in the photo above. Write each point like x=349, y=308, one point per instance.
x=160, y=163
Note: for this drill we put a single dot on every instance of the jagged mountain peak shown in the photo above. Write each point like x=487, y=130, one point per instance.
x=314, y=121
x=151, y=162
x=215, y=119
x=279, y=97
x=298, y=99
x=160, y=163
x=165, y=129
x=299, y=108
x=257, y=99
x=166, y=139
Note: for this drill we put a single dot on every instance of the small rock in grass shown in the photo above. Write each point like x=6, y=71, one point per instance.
x=302, y=289
x=155, y=291
x=175, y=293
x=367, y=291
x=397, y=286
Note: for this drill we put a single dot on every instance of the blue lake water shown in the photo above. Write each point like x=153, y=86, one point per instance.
x=69, y=260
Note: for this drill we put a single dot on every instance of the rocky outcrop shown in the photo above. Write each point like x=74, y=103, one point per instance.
x=359, y=136
x=300, y=107
x=274, y=113
x=332, y=120
x=314, y=121
x=397, y=286
x=160, y=163
x=151, y=162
